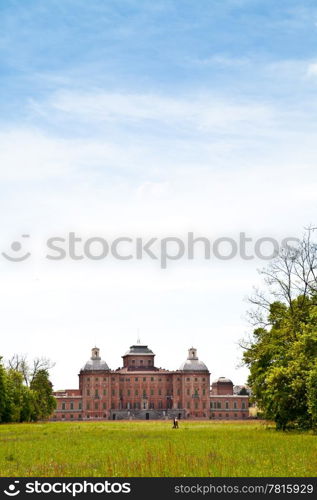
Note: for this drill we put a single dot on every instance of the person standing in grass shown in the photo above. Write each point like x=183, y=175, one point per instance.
x=175, y=425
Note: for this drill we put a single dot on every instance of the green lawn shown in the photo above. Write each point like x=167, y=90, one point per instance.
x=155, y=449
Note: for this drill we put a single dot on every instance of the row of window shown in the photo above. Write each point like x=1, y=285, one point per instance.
x=72, y=406
x=144, y=379
x=144, y=394
x=218, y=405
x=140, y=361
x=128, y=405
x=219, y=415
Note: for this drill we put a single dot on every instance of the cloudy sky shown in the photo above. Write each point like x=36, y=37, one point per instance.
x=149, y=119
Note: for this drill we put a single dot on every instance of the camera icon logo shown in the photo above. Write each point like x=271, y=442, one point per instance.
x=13, y=492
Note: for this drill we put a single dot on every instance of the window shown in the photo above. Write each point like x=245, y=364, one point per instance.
x=87, y=406
x=160, y=404
x=88, y=392
x=128, y=392
x=188, y=379
x=188, y=392
x=204, y=392
x=63, y=406
x=243, y=405
x=104, y=406
x=179, y=405
x=96, y=406
x=88, y=379
x=141, y=361
x=227, y=405
x=152, y=392
x=71, y=415
x=96, y=393
x=79, y=405
x=79, y=416
x=96, y=379
x=104, y=392
x=136, y=379
x=152, y=379
x=235, y=405
x=63, y=416
x=160, y=392
x=144, y=379
x=196, y=379
x=227, y=415
x=133, y=361
x=218, y=404
x=149, y=362
x=136, y=393
x=71, y=406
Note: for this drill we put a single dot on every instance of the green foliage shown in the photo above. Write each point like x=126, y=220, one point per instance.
x=44, y=401
x=20, y=403
x=312, y=395
x=282, y=362
x=3, y=393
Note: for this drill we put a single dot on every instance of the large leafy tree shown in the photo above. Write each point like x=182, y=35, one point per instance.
x=25, y=394
x=44, y=400
x=282, y=351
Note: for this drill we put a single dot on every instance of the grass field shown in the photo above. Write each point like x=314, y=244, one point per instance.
x=155, y=449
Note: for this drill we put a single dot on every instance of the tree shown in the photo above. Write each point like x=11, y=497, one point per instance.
x=3, y=393
x=312, y=395
x=44, y=401
x=282, y=351
x=19, y=362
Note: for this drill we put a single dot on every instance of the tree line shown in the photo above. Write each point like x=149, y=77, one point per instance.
x=26, y=393
x=281, y=352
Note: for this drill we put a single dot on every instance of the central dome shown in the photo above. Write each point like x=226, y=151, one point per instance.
x=95, y=363
x=192, y=363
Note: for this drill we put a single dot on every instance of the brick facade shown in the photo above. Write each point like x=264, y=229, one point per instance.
x=140, y=390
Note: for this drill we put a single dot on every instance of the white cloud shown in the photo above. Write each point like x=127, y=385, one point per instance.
x=312, y=69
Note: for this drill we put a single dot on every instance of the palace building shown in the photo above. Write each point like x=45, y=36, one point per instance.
x=140, y=390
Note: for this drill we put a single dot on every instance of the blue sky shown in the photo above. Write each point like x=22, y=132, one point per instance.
x=147, y=117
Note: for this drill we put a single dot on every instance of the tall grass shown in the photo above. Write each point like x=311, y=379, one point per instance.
x=155, y=449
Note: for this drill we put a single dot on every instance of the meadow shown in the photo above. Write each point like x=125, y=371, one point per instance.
x=142, y=449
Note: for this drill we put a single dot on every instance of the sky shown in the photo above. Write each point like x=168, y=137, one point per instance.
x=134, y=118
